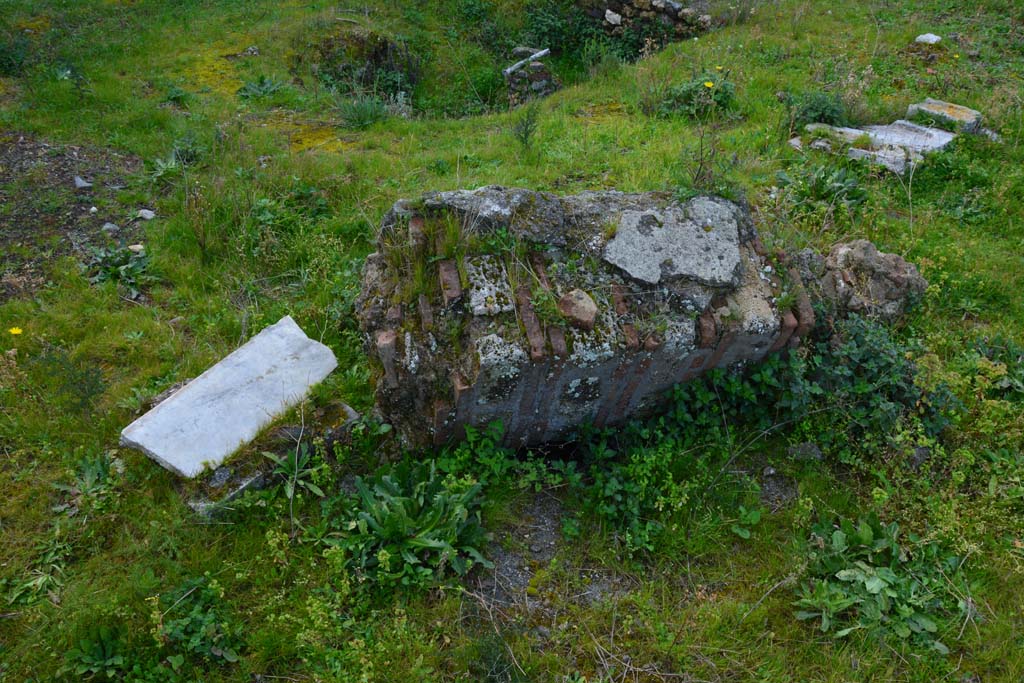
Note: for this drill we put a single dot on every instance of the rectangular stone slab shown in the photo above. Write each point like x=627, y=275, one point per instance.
x=215, y=414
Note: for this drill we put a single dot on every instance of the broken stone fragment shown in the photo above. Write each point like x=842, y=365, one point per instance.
x=910, y=136
x=579, y=309
x=897, y=146
x=205, y=422
x=860, y=279
x=928, y=39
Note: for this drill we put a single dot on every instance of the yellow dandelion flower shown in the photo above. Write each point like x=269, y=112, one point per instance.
x=956, y=56
x=15, y=330
x=709, y=84
x=718, y=68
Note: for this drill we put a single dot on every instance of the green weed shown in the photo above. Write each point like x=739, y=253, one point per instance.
x=409, y=526
x=362, y=111
x=864, y=575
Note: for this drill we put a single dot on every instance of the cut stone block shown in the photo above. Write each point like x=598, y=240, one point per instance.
x=842, y=133
x=963, y=118
x=202, y=424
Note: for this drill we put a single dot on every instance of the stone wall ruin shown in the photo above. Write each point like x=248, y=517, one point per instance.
x=681, y=19
x=545, y=312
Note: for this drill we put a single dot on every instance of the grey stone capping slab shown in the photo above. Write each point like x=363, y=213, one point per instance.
x=698, y=242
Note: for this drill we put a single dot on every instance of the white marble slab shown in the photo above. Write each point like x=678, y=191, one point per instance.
x=212, y=416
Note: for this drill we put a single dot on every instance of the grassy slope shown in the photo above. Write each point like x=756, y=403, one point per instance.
x=690, y=612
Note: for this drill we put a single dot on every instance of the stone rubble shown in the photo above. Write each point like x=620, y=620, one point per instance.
x=589, y=308
x=532, y=81
x=901, y=145
x=618, y=16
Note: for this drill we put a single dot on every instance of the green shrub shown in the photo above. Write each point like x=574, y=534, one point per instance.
x=1005, y=351
x=525, y=125
x=362, y=111
x=359, y=61
x=560, y=26
x=816, y=107
x=866, y=577
x=702, y=97
x=76, y=383
x=829, y=196
x=637, y=491
x=178, y=97
x=481, y=457
x=410, y=526
x=848, y=394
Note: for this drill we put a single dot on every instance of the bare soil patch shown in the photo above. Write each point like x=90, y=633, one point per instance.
x=44, y=216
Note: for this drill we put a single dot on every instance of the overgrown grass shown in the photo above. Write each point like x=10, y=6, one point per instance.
x=256, y=222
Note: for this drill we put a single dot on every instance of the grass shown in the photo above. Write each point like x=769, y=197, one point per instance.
x=275, y=217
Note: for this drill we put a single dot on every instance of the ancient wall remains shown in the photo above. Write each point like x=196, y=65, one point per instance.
x=545, y=312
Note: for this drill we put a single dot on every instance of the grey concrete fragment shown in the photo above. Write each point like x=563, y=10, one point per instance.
x=202, y=424
x=699, y=241
x=489, y=290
